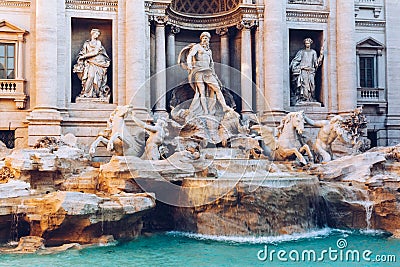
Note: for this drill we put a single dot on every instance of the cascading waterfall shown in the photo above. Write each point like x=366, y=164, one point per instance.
x=14, y=226
x=369, y=207
x=365, y=202
x=368, y=210
x=102, y=220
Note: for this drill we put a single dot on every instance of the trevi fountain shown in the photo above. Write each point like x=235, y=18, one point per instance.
x=202, y=171
x=199, y=178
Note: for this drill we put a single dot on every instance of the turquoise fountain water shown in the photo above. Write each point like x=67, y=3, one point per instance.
x=182, y=249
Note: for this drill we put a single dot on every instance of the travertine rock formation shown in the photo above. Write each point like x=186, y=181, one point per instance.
x=32, y=203
x=270, y=208
x=363, y=191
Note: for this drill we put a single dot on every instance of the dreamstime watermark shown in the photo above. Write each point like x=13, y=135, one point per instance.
x=338, y=254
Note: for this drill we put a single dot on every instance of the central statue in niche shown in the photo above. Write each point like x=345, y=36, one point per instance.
x=198, y=61
x=207, y=115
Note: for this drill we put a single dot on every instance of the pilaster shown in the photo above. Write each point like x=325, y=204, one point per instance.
x=45, y=119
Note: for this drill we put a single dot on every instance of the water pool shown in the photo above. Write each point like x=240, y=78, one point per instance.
x=182, y=249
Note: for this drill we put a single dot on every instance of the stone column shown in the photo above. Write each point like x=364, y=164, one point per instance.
x=260, y=98
x=246, y=67
x=161, y=77
x=346, y=56
x=274, y=17
x=121, y=79
x=171, y=53
x=172, y=58
x=135, y=59
x=392, y=71
x=45, y=119
x=225, y=68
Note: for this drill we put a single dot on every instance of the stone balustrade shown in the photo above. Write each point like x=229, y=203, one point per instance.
x=15, y=90
x=370, y=94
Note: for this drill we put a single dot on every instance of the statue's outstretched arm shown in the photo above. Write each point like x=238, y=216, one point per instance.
x=144, y=125
x=311, y=122
x=308, y=120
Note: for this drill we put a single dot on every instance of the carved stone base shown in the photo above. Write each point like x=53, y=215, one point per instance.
x=104, y=100
x=308, y=104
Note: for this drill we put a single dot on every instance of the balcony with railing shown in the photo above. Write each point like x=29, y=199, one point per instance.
x=372, y=96
x=14, y=90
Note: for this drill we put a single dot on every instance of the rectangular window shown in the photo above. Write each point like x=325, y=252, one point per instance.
x=7, y=61
x=8, y=138
x=367, y=72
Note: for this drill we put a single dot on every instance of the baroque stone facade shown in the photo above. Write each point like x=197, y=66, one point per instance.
x=253, y=42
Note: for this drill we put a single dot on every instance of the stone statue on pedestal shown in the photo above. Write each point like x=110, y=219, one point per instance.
x=303, y=68
x=91, y=69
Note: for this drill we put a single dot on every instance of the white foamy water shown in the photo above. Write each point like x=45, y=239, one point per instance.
x=369, y=207
x=258, y=239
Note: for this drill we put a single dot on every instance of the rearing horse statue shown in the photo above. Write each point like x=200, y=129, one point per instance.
x=287, y=142
x=117, y=136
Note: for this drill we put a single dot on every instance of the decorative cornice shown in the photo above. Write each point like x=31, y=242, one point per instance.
x=213, y=21
x=375, y=5
x=158, y=6
x=260, y=11
x=95, y=5
x=306, y=2
x=307, y=16
x=161, y=20
x=15, y=3
x=369, y=23
x=156, y=12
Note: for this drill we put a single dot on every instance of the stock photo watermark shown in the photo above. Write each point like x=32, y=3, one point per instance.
x=340, y=253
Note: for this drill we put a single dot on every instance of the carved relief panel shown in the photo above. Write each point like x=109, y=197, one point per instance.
x=306, y=2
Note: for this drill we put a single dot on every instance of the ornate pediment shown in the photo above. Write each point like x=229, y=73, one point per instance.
x=11, y=32
x=370, y=43
x=8, y=27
